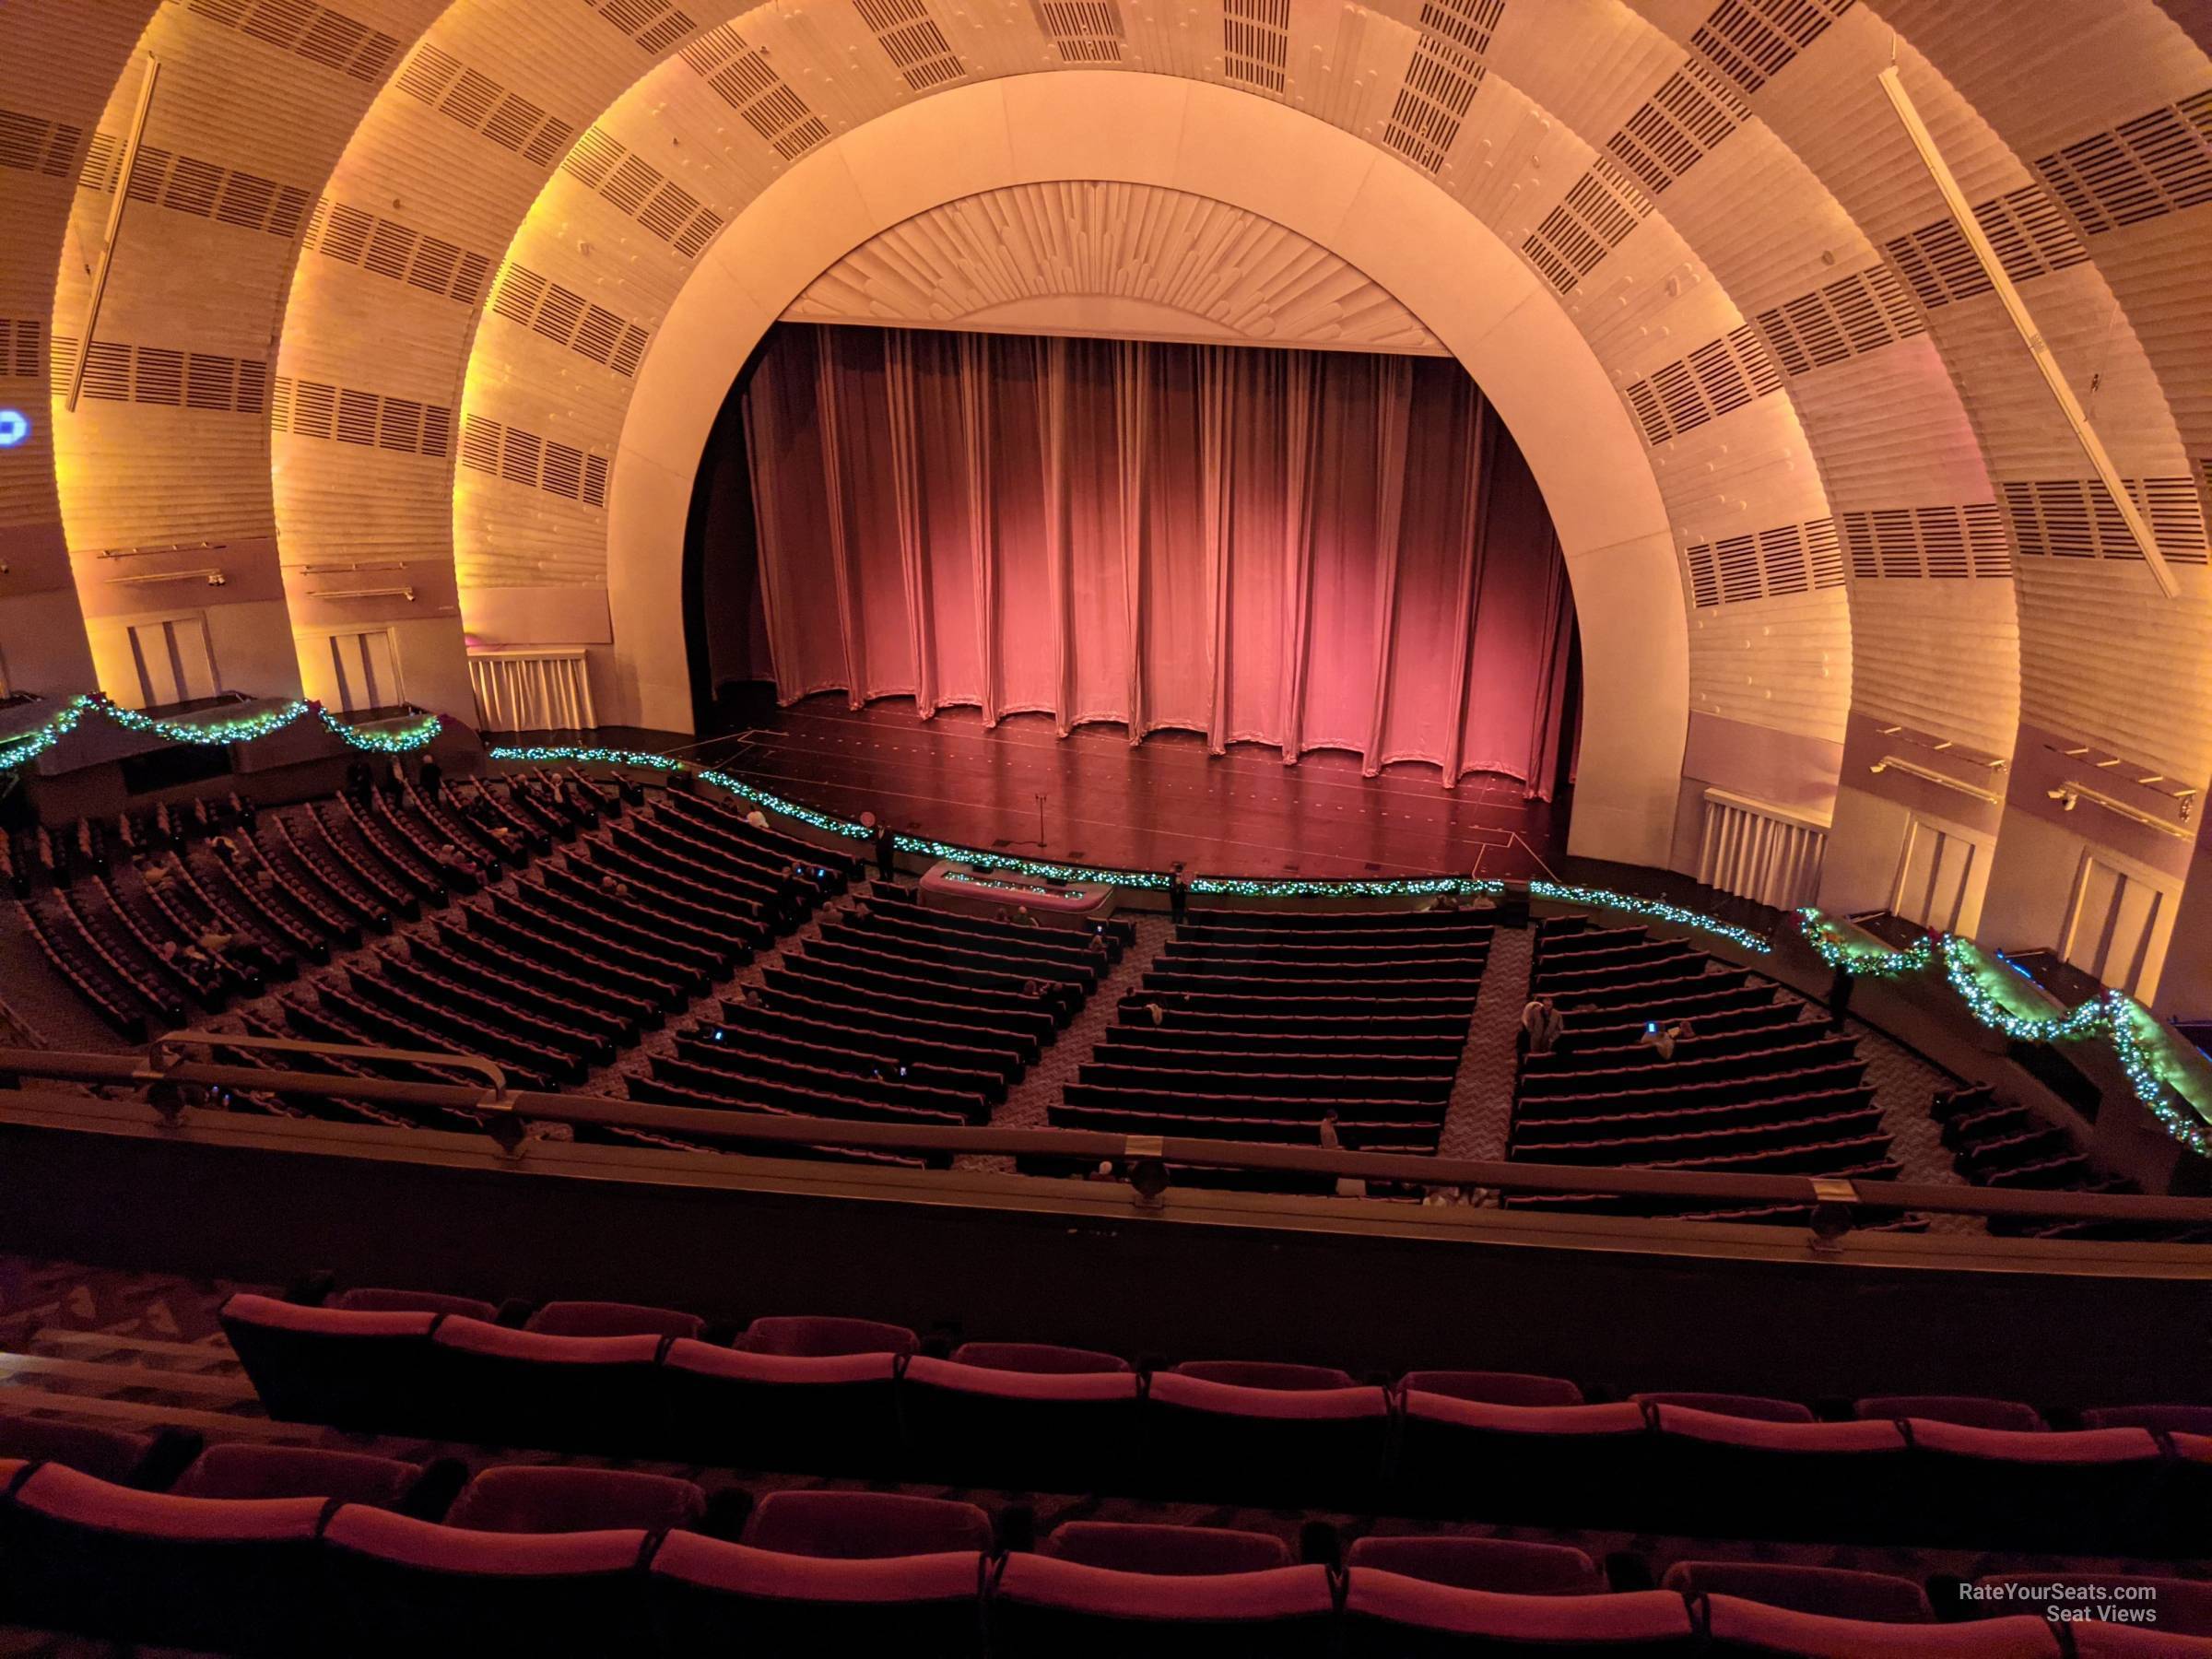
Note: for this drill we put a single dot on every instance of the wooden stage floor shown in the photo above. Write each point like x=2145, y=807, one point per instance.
x=1243, y=813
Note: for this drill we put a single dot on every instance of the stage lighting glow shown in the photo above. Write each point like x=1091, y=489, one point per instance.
x=14, y=428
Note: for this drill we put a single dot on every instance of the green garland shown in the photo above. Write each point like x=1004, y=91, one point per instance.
x=1655, y=908
x=242, y=728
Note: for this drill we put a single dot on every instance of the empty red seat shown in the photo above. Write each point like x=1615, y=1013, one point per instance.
x=1831, y=1590
x=1052, y=1427
x=612, y=1319
x=1504, y=1566
x=372, y=1301
x=240, y=1470
x=1570, y=1464
x=1391, y=1615
x=352, y=1368
x=832, y=1414
x=407, y=1586
x=111, y=1454
x=2096, y=1491
x=708, y=1596
x=234, y=1576
x=1044, y=1605
x=1180, y=1552
x=1496, y=1388
x=1720, y=1474
x=1038, y=1357
x=504, y=1388
x=524, y=1497
x=2174, y=1419
x=1734, y=1626
x=2177, y=1607
x=1755, y=1406
x=866, y=1525
x=1969, y=1409
x=1306, y=1435
x=813, y=1338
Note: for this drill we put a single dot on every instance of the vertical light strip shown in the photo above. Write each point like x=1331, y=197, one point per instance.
x=1962, y=213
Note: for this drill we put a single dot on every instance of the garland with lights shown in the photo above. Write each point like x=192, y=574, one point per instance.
x=1655, y=910
x=1236, y=886
x=242, y=728
x=1872, y=960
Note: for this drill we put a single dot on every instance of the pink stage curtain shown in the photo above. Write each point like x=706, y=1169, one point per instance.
x=1305, y=549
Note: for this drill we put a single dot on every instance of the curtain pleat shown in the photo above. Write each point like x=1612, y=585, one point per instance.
x=1302, y=549
x=541, y=692
x=1759, y=855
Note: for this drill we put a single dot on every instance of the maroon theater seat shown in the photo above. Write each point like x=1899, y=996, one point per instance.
x=414, y=1302
x=2178, y=1606
x=524, y=1497
x=1719, y=1475
x=1038, y=1357
x=1496, y=1388
x=111, y=1454
x=2094, y=1639
x=866, y=1525
x=1390, y=1615
x=803, y=1337
x=830, y=1414
x=1056, y=1428
x=1044, y=1606
x=709, y=1596
x=1556, y=1465
x=247, y=1471
x=1177, y=1551
x=1737, y=1627
x=1503, y=1566
x=404, y=1586
x=236, y=1577
x=1756, y=1407
x=2097, y=1491
x=2174, y=1419
x=362, y=1370
x=612, y=1319
x=1306, y=1436
x=1969, y=1409
x=1830, y=1591
x=505, y=1387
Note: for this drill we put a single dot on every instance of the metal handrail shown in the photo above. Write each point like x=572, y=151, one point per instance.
x=158, y=1055
x=1829, y=1194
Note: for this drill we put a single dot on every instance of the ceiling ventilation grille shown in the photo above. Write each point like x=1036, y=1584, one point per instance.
x=910, y=39
x=2031, y=236
x=346, y=415
x=741, y=77
x=1601, y=209
x=1951, y=543
x=201, y=188
x=1256, y=43
x=22, y=343
x=641, y=191
x=1440, y=84
x=1466, y=24
x=1085, y=31
x=314, y=32
x=1765, y=564
x=2075, y=518
x=519, y=457
x=2146, y=168
x=160, y=376
x=654, y=25
x=1717, y=379
x=1751, y=42
x=30, y=144
x=511, y=120
x=393, y=250
x=527, y=299
x=1678, y=127
x=1850, y=317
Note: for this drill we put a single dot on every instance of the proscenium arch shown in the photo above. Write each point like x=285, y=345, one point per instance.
x=1476, y=295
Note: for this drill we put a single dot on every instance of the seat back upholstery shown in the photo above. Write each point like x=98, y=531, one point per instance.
x=1039, y=1356
x=1756, y=1407
x=520, y=1497
x=866, y=1525
x=816, y=1336
x=1971, y=1410
x=1505, y=1566
x=241, y=1470
x=1831, y=1590
x=1265, y=1373
x=112, y=1455
x=612, y=1319
x=1177, y=1551
x=353, y=1369
x=1496, y=1388
x=370, y=1300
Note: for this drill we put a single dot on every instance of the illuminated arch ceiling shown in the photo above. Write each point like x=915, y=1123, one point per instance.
x=1880, y=519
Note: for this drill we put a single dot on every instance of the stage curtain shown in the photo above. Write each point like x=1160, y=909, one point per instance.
x=1304, y=549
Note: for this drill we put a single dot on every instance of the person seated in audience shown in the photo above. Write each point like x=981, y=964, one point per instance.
x=502, y=837
x=157, y=874
x=1541, y=1024
x=455, y=863
x=215, y=942
x=1348, y=1186
x=224, y=848
x=1179, y=895
x=432, y=776
x=614, y=888
x=1662, y=1039
x=1095, y=945
x=757, y=818
x=1156, y=1014
x=1022, y=917
x=1033, y=989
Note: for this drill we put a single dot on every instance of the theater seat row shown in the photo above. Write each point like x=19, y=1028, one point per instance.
x=852, y=1397
x=264, y=1550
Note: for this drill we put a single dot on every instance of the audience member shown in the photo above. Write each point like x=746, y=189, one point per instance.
x=1541, y=1024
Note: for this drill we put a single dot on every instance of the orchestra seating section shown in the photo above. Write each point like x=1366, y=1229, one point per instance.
x=1754, y=1085
x=1994, y=1142
x=264, y=1548
x=1264, y=1025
